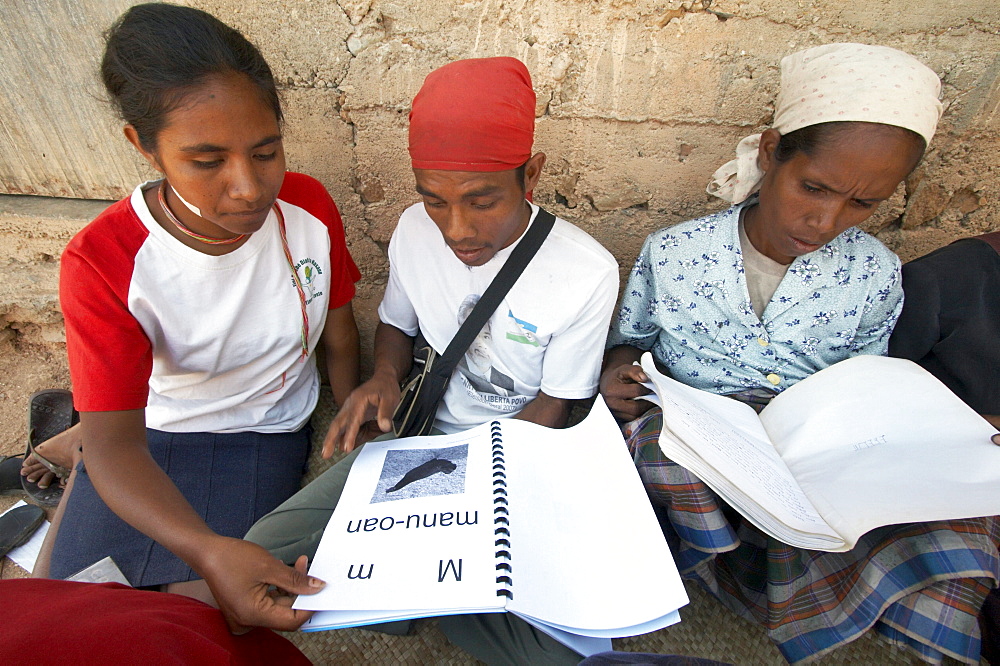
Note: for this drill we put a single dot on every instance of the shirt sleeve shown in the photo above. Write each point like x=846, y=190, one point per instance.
x=344, y=272
x=634, y=325
x=572, y=363
x=919, y=325
x=110, y=357
x=396, y=309
x=882, y=307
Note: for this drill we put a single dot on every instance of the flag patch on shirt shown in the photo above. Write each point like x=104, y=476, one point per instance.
x=521, y=331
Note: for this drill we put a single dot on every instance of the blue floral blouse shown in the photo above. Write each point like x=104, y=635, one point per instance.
x=687, y=301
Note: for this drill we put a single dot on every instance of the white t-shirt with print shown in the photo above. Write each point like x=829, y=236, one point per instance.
x=547, y=334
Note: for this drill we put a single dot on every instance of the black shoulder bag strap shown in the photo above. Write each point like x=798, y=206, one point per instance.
x=499, y=287
x=421, y=397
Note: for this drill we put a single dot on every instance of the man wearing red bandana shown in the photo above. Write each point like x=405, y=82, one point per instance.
x=471, y=131
x=470, y=143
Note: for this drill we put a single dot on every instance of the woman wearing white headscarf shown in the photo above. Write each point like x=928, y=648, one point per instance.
x=748, y=301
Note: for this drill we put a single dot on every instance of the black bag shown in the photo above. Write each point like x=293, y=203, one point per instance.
x=423, y=389
x=421, y=394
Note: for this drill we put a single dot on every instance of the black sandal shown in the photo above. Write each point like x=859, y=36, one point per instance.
x=10, y=475
x=17, y=526
x=50, y=412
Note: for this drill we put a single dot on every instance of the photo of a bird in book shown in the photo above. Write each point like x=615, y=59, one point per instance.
x=435, y=466
x=408, y=473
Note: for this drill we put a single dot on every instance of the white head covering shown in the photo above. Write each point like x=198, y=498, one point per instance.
x=839, y=82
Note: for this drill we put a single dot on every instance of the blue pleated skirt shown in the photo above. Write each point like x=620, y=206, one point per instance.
x=231, y=480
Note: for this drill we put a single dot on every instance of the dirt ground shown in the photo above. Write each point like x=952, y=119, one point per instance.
x=25, y=369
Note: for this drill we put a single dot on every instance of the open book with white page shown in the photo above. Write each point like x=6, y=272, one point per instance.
x=866, y=442
x=552, y=525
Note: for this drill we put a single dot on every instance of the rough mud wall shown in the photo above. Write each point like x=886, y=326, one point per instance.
x=638, y=102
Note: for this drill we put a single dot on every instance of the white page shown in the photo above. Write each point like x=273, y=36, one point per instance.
x=555, y=577
x=446, y=540
x=673, y=617
x=585, y=645
x=731, y=452
x=747, y=505
x=326, y=620
x=877, y=441
x=589, y=486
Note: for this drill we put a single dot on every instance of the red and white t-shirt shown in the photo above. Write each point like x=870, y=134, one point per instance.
x=203, y=343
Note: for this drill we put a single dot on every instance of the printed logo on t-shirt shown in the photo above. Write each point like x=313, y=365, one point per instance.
x=521, y=331
x=308, y=271
x=481, y=379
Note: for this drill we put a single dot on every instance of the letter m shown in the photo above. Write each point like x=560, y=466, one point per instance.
x=455, y=571
x=361, y=572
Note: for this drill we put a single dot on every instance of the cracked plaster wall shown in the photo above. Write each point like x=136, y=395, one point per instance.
x=638, y=102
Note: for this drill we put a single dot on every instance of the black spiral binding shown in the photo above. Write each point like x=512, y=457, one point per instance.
x=501, y=522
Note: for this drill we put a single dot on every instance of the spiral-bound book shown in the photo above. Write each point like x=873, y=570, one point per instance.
x=552, y=525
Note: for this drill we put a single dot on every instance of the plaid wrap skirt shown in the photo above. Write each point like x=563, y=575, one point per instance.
x=920, y=585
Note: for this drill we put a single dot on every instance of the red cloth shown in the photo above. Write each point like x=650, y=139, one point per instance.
x=473, y=115
x=60, y=622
